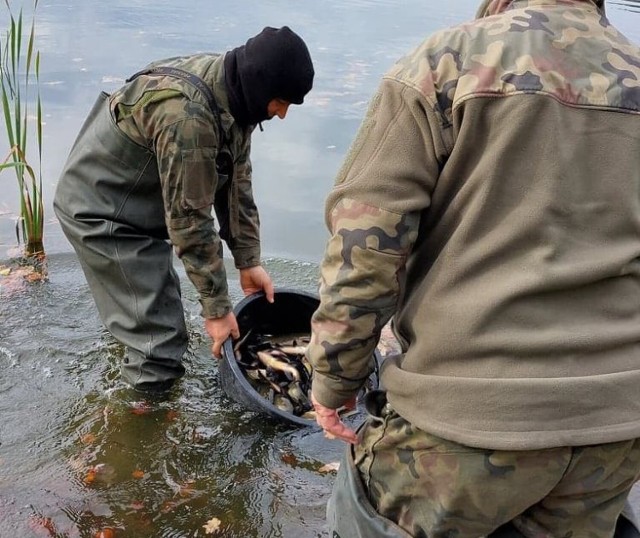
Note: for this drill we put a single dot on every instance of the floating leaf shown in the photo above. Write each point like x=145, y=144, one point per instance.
x=141, y=408
x=186, y=489
x=211, y=526
x=4, y=271
x=172, y=415
x=88, y=438
x=137, y=505
x=138, y=474
x=42, y=526
x=290, y=459
x=168, y=506
x=102, y=472
x=90, y=477
x=105, y=533
x=330, y=467
x=34, y=276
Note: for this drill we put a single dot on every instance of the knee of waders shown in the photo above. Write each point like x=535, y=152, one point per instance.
x=349, y=512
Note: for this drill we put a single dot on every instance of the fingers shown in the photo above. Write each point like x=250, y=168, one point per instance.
x=235, y=333
x=268, y=290
x=337, y=430
x=329, y=420
x=219, y=329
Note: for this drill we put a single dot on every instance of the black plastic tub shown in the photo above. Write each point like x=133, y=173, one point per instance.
x=290, y=313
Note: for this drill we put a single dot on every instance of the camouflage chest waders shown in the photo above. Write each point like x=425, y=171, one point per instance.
x=109, y=204
x=438, y=488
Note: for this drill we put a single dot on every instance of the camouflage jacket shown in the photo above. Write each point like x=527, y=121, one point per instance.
x=171, y=118
x=489, y=203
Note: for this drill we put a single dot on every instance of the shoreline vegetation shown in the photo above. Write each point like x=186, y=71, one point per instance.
x=19, y=93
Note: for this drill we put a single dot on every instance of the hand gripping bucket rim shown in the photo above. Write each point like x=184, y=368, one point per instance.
x=290, y=313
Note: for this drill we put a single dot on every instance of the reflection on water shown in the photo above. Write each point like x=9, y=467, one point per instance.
x=79, y=453
x=88, y=46
x=630, y=5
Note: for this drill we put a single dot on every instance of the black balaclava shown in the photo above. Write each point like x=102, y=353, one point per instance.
x=275, y=64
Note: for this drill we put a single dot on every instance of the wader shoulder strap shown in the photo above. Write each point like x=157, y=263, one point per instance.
x=195, y=81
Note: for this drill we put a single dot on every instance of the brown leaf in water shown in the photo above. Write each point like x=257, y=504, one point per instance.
x=101, y=472
x=138, y=474
x=186, y=489
x=88, y=438
x=90, y=477
x=212, y=526
x=35, y=276
x=105, y=533
x=172, y=415
x=290, y=459
x=141, y=408
x=42, y=526
x=330, y=467
x=168, y=506
x=16, y=279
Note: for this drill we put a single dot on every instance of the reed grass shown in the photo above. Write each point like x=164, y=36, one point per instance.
x=19, y=72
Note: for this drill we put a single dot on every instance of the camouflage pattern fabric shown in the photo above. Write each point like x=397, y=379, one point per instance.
x=171, y=118
x=363, y=268
x=491, y=7
x=484, y=58
x=366, y=309
x=437, y=488
x=509, y=431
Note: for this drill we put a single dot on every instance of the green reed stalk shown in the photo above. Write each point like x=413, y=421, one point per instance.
x=14, y=93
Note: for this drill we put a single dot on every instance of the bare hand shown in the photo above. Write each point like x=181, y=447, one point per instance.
x=220, y=329
x=330, y=422
x=254, y=279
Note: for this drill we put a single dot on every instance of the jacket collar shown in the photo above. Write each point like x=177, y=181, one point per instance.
x=494, y=7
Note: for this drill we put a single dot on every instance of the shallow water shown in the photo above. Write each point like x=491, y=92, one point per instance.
x=79, y=452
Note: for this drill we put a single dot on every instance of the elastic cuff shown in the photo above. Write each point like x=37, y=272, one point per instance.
x=246, y=257
x=331, y=397
x=215, y=308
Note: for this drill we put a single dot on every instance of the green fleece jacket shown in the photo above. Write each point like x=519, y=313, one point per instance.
x=490, y=204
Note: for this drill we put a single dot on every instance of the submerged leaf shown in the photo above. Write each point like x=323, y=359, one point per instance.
x=211, y=526
x=290, y=459
x=330, y=467
x=90, y=477
x=42, y=526
x=88, y=438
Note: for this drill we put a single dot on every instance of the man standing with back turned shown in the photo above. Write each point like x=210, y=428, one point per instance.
x=490, y=205
x=148, y=165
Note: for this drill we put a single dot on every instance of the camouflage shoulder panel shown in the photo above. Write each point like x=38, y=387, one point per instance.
x=565, y=49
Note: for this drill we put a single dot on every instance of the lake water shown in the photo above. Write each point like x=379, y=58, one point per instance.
x=78, y=452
